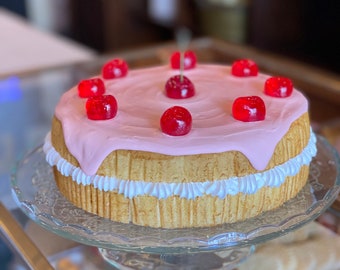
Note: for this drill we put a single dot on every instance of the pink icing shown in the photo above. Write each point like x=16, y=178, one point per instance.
x=141, y=102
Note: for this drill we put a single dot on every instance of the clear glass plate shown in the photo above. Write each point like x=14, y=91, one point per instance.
x=36, y=194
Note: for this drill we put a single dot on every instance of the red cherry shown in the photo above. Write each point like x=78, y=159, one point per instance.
x=190, y=60
x=101, y=107
x=244, y=68
x=91, y=87
x=176, y=121
x=249, y=109
x=278, y=87
x=178, y=89
x=115, y=68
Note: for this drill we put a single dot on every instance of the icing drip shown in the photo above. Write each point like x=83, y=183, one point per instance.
x=136, y=125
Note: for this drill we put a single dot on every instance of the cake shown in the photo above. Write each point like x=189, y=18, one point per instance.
x=240, y=148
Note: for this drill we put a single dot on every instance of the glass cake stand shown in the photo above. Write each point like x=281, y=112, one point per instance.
x=128, y=246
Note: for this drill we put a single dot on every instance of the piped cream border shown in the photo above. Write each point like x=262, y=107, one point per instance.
x=221, y=188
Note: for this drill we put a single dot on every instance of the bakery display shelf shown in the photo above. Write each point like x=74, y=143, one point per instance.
x=128, y=246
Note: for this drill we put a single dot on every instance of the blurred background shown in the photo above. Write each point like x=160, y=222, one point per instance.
x=302, y=29
x=36, y=35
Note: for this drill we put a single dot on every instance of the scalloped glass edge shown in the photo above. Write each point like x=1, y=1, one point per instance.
x=136, y=238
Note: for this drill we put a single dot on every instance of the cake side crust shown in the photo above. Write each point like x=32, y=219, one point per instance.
x=176, y=212
x=154, y=167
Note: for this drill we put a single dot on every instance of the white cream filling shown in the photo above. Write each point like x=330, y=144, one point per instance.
x=221, y=188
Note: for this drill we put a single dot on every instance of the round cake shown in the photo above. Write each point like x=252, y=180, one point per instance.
x=127, y=166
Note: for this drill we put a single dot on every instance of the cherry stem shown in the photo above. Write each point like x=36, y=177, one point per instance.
x=183, y=36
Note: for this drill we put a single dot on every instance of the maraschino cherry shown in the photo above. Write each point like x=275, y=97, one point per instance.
x=101, y=107
x=176, y=121
x=189, y=59
x=249, y=109
x=278, y=87
x=115, y=68
x=244, y=68
x=179, y=87
x=91, y=87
